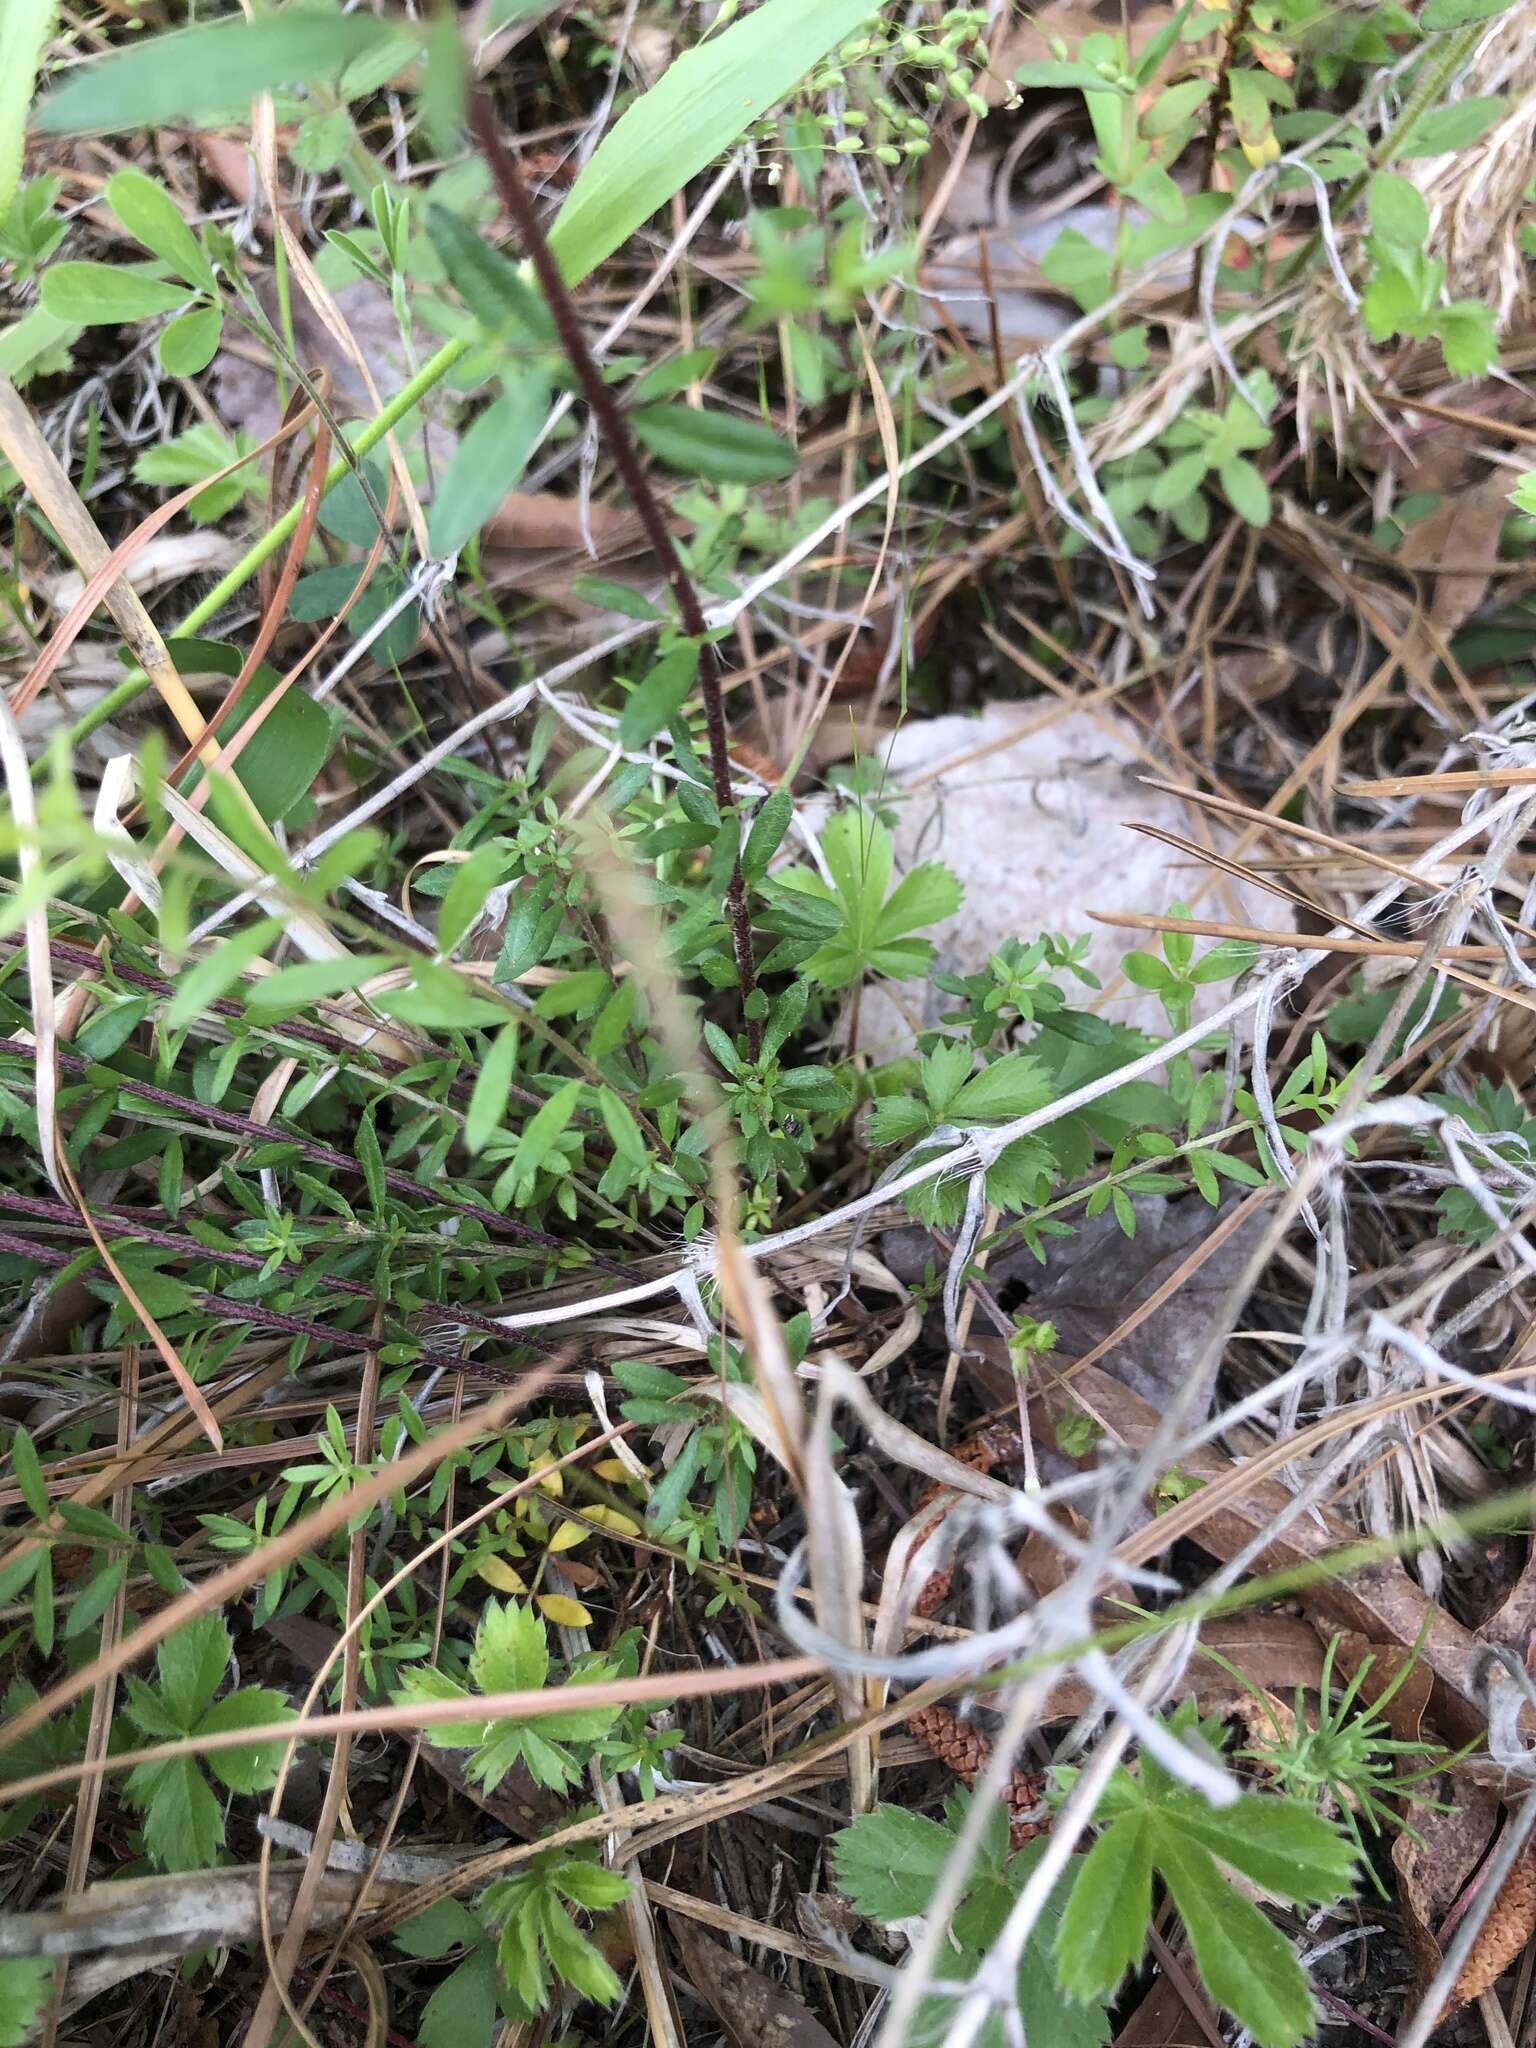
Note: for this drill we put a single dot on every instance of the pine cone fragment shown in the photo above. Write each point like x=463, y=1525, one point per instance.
x=967, y=1751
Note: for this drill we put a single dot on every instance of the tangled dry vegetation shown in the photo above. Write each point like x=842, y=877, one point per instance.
x=767, y=975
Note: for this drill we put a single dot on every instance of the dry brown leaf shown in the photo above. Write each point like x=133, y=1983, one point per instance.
x=1433, y=1871
x=1380, y=1602
x=545, y=519
x=754, y=2011
x=1461, y=530
x=1161, y=2020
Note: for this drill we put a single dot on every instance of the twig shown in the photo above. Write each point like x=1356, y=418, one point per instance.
x=621, y=446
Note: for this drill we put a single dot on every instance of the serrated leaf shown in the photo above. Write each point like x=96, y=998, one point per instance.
x=511, y=1652
x=1104, y=1927
x=25, y=1981
x=1279, y=1843
x=191, y=1662
x=1397, y=209
x=1245, y=1963
x=1012, y=1086
x=253, y=1706
x=888, y=1862
x=183, y=1825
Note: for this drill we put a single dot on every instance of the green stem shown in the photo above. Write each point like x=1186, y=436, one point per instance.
x=1458, y=49
x=405, y=400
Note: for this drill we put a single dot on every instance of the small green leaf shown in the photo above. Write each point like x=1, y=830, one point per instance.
x=542, y=1131
x=1397, y=209
x=721, y=447
x=94, y=1599
x=183, y=1824
x=495, y=291
x=190, y=343
x=108, y=294
x=659, y=694
x=293, y=989
x=252, y=1769
x=203, y=983
x=191, y=1662
x=511, y=1652
x=1438, y=14
x=462, y=2011
x=28, y=1469
x=152, y=217
x=488, y=1101
x=1246, y=490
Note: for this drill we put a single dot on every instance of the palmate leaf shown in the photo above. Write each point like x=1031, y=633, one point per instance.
x=874, y=931
x=1155, y=1824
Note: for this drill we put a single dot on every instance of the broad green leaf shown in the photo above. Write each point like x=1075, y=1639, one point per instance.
x=108, y=294
x=191, y=1662
x=1439, y=14
x=888, y=1862
x=448, y=1924
x=462, y=2011
x=1469, y=338
x=253, y=1706
x=25, y=1981
x=191, y=342
x=1104, y=1927
x=488, y=1101
x=1456, y=126
x=25, y=29
x=927, y=895
x=38, y=340
x=659, y=694
x=218, y=68
x=721, y=447
x=1245, y=1962
x=667, y=379
x=183, y=1826
x=708, y=97
x=1397, y=210
x=511, y=1652
x=286, y=752
x=488, y=462
x=152, y=217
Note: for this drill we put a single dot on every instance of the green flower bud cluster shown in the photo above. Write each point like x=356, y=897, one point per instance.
x=872, y=122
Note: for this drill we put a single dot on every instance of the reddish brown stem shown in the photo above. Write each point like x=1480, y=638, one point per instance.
x=614, y=431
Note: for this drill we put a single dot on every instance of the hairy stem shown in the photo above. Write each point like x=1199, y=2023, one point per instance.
x=620, y=443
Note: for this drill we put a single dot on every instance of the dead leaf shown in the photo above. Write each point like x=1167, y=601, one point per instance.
x=754, y=2011
x=1504, y=1934
x=1404, y=1712
x=545, y=519
x=1461, y=530
x=1235, y=1504
x=1161, y=2020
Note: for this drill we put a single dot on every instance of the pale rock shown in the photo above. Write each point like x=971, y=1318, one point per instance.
x=1039, y=832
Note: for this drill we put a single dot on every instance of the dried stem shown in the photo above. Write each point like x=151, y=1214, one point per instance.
x=615, y=434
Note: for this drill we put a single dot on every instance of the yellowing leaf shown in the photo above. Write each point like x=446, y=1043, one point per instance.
x=610, y=1518
x=561, y=1608
x=567, y=1536
x=552, y=1483
x=614, y=1469
x=498, y=1573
